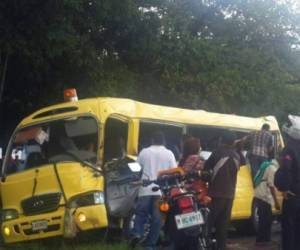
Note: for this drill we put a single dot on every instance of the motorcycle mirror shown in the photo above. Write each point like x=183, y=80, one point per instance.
x=135, y=167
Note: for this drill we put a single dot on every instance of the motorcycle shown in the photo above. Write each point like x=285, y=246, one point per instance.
x=185, y=217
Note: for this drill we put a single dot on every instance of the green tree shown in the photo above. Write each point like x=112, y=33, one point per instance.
x=221, y=55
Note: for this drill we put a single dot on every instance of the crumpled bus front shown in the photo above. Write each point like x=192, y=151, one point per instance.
x=51, y=182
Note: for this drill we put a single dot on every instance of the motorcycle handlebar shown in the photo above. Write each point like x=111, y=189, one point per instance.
x=203, y=175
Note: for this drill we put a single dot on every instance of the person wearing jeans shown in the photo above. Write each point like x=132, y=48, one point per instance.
x=153, y=160
x=147, y=212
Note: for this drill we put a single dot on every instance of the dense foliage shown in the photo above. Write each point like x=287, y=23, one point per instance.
x=237, y=56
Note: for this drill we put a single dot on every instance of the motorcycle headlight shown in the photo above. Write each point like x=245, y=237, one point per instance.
x=89, y=199
x=9, y=214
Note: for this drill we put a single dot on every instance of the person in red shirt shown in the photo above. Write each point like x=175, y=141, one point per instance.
x=191, y=161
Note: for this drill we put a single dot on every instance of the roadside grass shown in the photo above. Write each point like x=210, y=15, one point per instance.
x=67, y=246
x=89, y=241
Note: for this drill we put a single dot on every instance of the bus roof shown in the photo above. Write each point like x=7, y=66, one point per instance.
x=106, y=106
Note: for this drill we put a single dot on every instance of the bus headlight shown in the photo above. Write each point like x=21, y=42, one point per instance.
x=9, y=214
x=6, y=231
x=88, y=199
x=81, y=217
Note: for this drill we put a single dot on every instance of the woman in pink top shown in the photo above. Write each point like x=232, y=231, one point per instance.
x=191, y=161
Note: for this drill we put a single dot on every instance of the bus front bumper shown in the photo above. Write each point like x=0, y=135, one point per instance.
x=48, y=225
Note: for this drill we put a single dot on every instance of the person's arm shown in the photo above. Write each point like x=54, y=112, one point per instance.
x=270, y=171
x=242, y=158
x=172, y=166
x=246, y=139
x=276, y=202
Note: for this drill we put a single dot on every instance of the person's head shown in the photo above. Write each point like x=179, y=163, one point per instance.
x=158, y=138
x=185, y=137
x=191, y=146
x=228, y=138
x=292, y=127
x=265, y=127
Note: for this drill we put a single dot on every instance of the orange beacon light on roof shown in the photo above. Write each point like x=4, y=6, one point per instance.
x=70, y=95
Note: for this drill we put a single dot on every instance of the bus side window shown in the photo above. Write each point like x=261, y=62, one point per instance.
x=172, y=133
x=115, y=139
x=276, y=143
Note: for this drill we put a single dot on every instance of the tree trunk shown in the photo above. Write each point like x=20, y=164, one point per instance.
x=3, y=77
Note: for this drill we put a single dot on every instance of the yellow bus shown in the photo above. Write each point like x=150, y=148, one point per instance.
x=56, y=180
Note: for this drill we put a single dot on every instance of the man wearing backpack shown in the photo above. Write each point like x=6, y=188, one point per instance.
x=287, y=180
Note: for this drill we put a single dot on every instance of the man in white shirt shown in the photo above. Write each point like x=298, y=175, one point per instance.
x=152, y=159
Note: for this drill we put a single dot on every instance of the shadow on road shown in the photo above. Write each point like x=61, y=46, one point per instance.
x=238, y=241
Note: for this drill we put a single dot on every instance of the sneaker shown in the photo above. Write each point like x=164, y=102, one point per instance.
x=134, y=240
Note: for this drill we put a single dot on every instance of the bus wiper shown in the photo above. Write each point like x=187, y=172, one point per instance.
x=82, y=162
x=35, y=182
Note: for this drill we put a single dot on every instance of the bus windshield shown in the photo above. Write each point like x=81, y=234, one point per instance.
x=54, y=141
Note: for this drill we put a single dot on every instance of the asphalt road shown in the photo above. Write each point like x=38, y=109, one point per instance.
x=236, y=241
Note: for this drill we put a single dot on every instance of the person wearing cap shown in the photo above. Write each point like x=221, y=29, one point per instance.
x=224, y=163
x=287, y=180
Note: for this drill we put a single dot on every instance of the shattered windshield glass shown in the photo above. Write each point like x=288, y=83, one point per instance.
x=55, y=141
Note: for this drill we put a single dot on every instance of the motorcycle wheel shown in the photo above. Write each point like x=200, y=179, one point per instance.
x=207, y=244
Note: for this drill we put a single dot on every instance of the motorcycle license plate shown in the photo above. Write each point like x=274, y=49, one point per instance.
x=39, y=225
x=189, y=220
